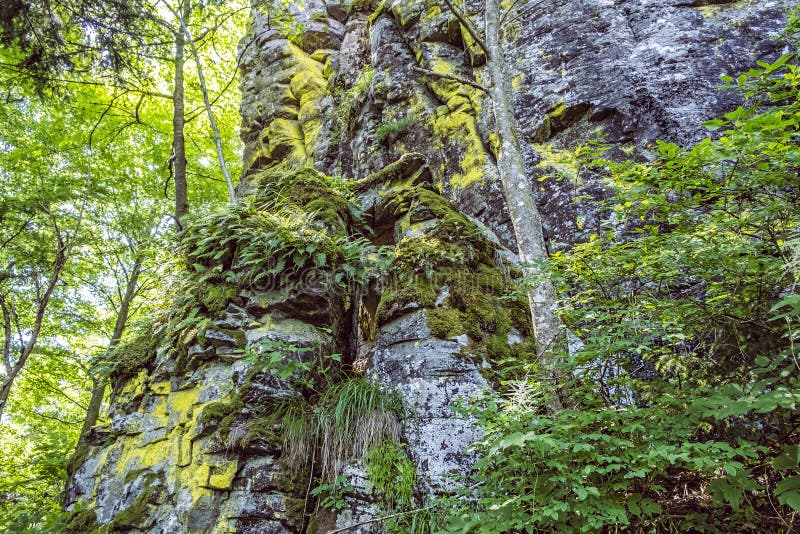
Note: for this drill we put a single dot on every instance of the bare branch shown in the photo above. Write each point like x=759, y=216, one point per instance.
x=471, y=29
x=452, y=77
x=7, y=333
x=49, y=385
x=508, y=11
x=56, y=418
x=377, y=519
x=103, y=115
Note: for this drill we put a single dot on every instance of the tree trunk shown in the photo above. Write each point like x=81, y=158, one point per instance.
x=178, y=125
x=525, y=216
x=27, y=348
x=207, y=102
x=99, y=383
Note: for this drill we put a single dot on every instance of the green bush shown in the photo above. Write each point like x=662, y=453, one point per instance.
x=681, y=399
x=392, y=473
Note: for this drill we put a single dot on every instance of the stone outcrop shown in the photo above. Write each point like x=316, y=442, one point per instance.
x=622, y=73
x=406, y=165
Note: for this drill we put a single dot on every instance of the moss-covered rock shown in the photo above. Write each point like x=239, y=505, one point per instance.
x=132, y=356
x=446, y=323
x=136, y=515
x=218, y=416
x=82, y=521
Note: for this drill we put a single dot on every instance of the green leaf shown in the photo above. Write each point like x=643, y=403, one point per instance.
x=723, y=491
x=790, y=459
x=788, y=492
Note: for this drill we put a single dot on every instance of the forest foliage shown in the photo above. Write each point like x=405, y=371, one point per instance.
x=85, y=143
x=682, y=387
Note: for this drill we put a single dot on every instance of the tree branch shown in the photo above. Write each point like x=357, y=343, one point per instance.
x=22, y=228
x=7, y=334
x=471, y=29
x=377, y=519
x=56, y=418
x=452, y=77
x=102, y=116
x=206, y=101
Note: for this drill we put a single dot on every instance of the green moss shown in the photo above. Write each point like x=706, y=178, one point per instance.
x=380, y=9
x=391, y=130
x=445, y=323
x=219, y=415
x=215, y=297
x=295, y=509
x=405, y=167
x=266, y=428
x=324, y=198
x=457, y=127
x=132, y=356
x=497, y=347
x=485, y=315
x=451, y=253
x=133, y=474
x=136, y=515
x=347, y=102
x=132, y=516
x=394, y=301
x=82, y=452
x=82, y=521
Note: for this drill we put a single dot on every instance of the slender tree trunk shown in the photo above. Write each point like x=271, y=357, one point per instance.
x=99, y=383
x=27, y=348
x=525, y=216
x=207, y=102
x=179, y=123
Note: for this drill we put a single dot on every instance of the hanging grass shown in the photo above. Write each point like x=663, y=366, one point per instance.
x=353, y=417
x=350, y=418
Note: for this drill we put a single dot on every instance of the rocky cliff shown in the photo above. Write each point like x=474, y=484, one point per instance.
x=358, y=294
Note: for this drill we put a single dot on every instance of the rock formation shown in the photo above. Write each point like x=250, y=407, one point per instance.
x=345, y=131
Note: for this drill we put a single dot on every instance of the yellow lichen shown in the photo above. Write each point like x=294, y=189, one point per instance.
x=306, y=85
x=564, y=161
x=182, y=401
x=285, y=141
x=196, y=476
x=135, y=386
x=222, y=476
x=462, y=129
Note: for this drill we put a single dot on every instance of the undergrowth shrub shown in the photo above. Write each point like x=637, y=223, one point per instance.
x=390, y=131
x=392, y=473
x=682, y=384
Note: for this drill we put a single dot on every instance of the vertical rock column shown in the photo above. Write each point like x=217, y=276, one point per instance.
x=440, y=323
x=191, y=446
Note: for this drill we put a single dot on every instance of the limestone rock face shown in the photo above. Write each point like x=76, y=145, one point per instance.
x=432, y=377
x=161, y=465
x=625, y=73
x=190, y=446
